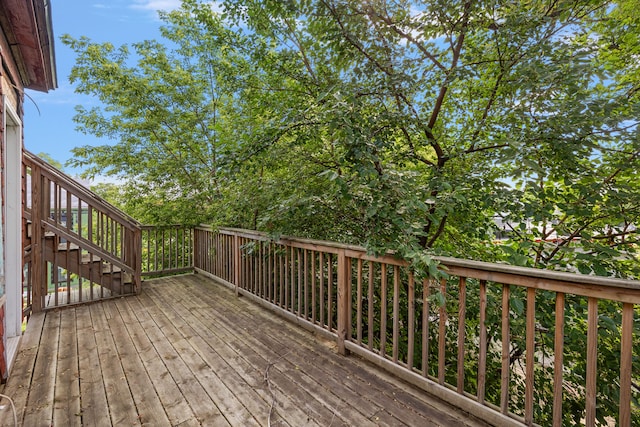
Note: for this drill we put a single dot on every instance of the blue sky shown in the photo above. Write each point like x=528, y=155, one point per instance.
x=51, y=129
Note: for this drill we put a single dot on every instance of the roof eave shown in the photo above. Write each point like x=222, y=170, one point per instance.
x=29, y=31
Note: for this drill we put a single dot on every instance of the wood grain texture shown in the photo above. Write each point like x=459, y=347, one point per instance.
x=188, y=352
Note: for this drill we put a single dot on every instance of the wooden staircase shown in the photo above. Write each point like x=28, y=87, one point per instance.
x=70, y=257
x=77, y=247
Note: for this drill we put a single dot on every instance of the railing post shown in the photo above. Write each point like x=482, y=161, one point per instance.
x=38, y=273
x=344, y=299
x=195, y=249
x=236, y=262
x=137, y=263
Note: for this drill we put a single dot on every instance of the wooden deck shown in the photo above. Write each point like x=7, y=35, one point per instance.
x=188, y=352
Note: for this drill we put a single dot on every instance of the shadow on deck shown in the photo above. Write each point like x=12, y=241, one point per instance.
x=187, y=352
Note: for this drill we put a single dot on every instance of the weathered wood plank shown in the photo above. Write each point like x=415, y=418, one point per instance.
x=186, y=346
x=342, y=369
x=22, y=371
x=148, y=405
x=259, y=357
x=40, y=402
x=94, y=407
x=201, y=404
x=226, y=346
x=201, y=371
x=66, y=407
x=119, y=397
x=242, y=392
x=174, y=403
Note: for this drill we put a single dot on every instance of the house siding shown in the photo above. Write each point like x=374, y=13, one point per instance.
x=11, y=93
x=27, y=59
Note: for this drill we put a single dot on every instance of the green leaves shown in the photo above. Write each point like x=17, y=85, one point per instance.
x=422, y=128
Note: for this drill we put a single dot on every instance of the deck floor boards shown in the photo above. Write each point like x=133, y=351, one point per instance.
x=188, y=352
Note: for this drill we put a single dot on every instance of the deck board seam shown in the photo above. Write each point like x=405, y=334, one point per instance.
x=146, y=362
x=179, y=318
x=357, y=363
x=293, y=329
x=304, y=382
x=141, y=321
x=257, y=385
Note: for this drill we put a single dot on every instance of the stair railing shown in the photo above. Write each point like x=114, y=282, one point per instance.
x=57, y=206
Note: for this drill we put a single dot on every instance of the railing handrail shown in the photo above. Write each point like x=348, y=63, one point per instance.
x=76, y=189
x=163, y=226
x=529, y=272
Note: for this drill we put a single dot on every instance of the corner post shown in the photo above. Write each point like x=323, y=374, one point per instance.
x=344, y=301
x=38, y=277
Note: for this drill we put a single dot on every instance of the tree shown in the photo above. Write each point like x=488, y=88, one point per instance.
x=434, y=118
x=401, y=125
x=163, y=108
x=47, y=157
x=410, y=125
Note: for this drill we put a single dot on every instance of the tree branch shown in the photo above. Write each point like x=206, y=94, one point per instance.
x=407, y=36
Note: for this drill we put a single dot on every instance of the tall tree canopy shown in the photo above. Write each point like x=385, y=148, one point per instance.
x=403, y=125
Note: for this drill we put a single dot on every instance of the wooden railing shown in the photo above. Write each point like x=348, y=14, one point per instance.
x=167, y=250
x=86, y=235
x=509, y=344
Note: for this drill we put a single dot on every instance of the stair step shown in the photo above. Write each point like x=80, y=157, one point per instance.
x=75, y=259
x=71, y=247
x=106, y=269
x=88, y=259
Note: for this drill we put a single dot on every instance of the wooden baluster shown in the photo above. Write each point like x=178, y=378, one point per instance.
x=396, y=312
x=330, y=293
x=482, y=360
x=359, y=302
x=322, y=299
x=558, y=362
x=370, y=306
x=462, y=317
x=383, y=310
x=442, y=332
x=282, y=278
x=236, y=263
x=306, y=285
x=411, y=326
x=530, y=355
x=626, y=358
x=137, y=260
x=300, y=281
x=506, y=357
x=313, y=287
x=592, y=359
x=425, y=327
x=288, y=279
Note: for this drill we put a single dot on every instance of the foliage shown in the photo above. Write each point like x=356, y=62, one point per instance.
x=401, y=125
x=397, y=125
x=47, y=157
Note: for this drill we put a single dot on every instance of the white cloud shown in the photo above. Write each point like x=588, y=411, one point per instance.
x=167, y=5
x=154, y=5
